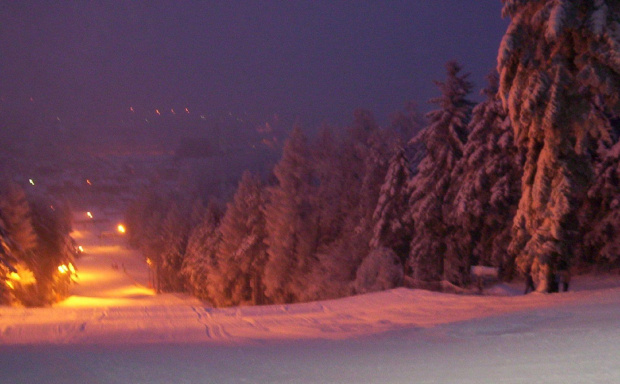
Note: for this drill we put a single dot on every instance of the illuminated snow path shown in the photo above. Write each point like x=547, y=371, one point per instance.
x=115, y=330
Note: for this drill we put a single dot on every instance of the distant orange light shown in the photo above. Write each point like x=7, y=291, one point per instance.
x=157, y=111
x=131, y=109
x=186, y=110
x=90, y=215
x=121, y=228
x=88, y=182
x=172, y=111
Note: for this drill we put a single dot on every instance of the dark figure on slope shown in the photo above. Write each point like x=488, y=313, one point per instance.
x=529, y=282
x=564, y=276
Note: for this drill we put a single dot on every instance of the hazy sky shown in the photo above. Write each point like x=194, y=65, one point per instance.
x=308, y=60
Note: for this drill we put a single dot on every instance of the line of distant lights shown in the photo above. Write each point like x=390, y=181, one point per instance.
x=161, y=112
x=263, y=128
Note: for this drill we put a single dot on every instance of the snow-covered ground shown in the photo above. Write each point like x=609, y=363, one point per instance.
x=113, y=329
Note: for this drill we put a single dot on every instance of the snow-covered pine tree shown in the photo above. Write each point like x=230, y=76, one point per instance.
x=330, y=202
x=16, y=214
x=6, y=266
x=52, y=225
x=199, y=264
x=559, y=65
x=485, y=189
x=291, y=232
x=389, y=230
x=329, y=179
x=601, y=243
x=242, y=253
x=444, y=139
x=175, y=228
x=358, y=171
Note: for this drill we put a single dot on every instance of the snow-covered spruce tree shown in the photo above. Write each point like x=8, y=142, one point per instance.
x=145, y=218
x=35, y=239
x=141, y=216
x=291, y=230
x=389, y=229
x=174, y=233
x=330, y=202
x=52, y=225
x=359, y=172
x=484, y=190
x=7, y=260
x=443, y=138
x=329, y=178
x=242, y=253
x=16, y=214
x=199, y=263
x=601, y=243
x=559, y=65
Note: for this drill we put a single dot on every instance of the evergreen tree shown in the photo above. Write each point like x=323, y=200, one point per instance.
x=444, y=139
x=52, y=225
x=601, y=214
x=199, y=264
x=484, y=190
x=329, y=187
x=291, y=230
x=6, y=267
x=389, y=230
x=16, y=215
x=559, y=65
x=360, y=169
x=174, y=234
x=242, y=252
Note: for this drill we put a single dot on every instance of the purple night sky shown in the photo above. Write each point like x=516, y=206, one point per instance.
x=310, y=61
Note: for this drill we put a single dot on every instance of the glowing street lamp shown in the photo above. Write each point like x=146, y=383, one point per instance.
x=66, y=268
x=89, y=214
x=121, y=228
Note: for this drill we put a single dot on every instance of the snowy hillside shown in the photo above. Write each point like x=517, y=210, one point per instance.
x=116, y=328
